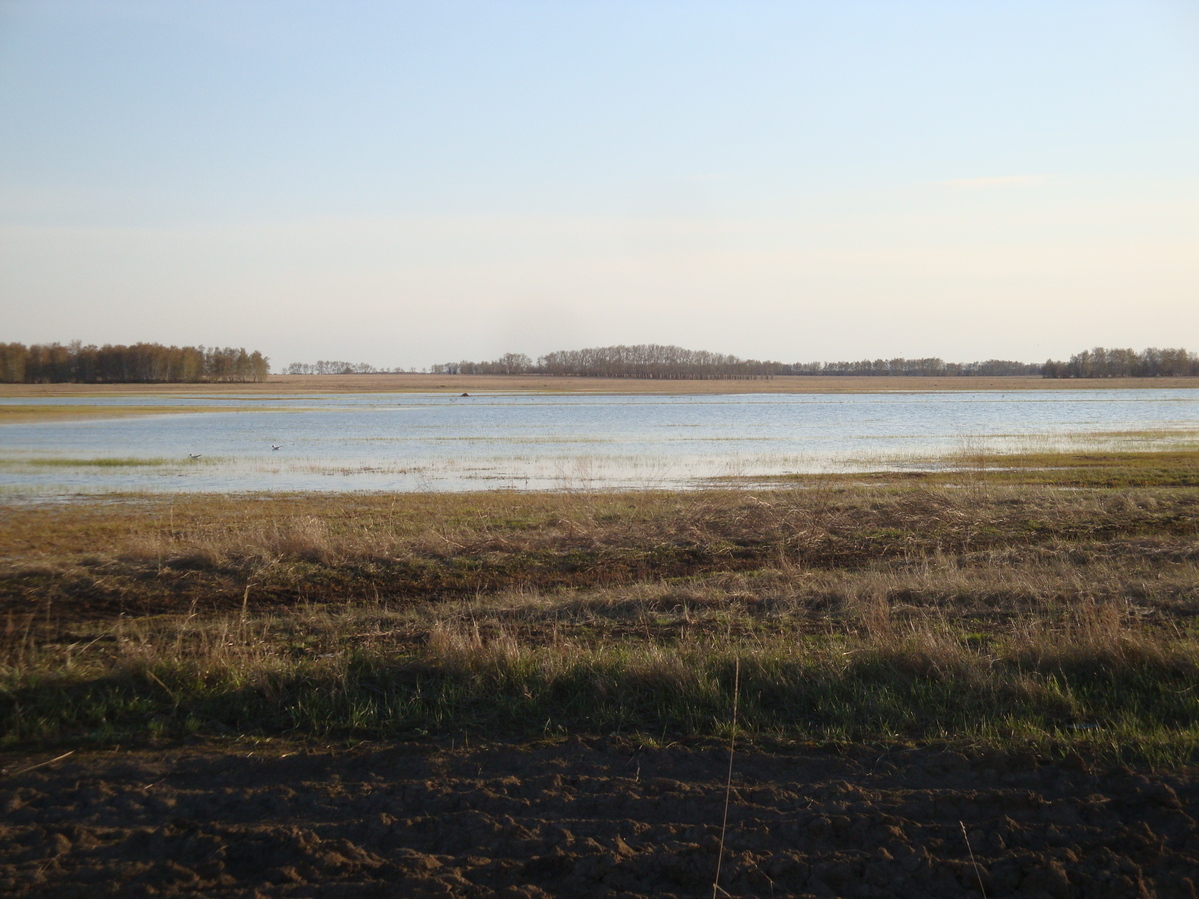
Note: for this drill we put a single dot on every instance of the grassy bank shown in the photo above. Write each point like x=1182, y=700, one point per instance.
x=1014, y=604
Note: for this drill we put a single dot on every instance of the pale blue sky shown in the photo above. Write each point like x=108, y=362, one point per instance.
x=409, y=183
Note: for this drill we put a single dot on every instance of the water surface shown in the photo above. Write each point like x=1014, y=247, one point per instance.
x=405, y=442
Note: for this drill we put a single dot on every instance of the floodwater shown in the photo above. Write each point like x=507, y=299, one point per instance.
x=406, y=442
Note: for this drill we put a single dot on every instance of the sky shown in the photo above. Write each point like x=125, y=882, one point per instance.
x=408, y=183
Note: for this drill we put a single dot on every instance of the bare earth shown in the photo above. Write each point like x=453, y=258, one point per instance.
x=575, y=818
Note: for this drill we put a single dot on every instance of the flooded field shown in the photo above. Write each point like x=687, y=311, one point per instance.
x=979, y=680
x=407, y=442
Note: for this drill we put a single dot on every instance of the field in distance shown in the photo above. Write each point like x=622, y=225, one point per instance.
x=427, y=383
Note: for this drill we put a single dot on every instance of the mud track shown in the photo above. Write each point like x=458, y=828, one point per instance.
x=588, y=818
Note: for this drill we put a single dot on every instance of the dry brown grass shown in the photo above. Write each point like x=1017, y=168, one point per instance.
x=425, y=383
x=848, y=609
x=38, y=413
x=658, y=660
x=998, y=552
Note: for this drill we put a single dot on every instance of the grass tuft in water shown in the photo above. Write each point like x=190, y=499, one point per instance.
x=124, y=462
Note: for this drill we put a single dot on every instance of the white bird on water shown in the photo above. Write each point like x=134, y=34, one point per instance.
x=275, y=446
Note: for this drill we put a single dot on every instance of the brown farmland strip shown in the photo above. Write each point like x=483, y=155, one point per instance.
x=427, y=383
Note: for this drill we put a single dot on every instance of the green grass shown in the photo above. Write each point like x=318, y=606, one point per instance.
x=102, y=462
x=1108, y=469
x=107, y=462
x=1135, y=707
x=1113, y=470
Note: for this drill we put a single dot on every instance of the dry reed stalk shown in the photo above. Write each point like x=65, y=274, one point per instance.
x=21, y=771
x=728, y=787
x=977, y=872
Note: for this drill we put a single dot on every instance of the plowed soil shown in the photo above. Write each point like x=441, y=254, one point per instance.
x=584, y=818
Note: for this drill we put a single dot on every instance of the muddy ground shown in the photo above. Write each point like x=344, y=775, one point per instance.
x=581, y=818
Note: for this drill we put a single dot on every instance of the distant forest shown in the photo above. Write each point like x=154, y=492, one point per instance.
x=1104, y=363
x=653, y=361
x=142, y=363
x=330, y=367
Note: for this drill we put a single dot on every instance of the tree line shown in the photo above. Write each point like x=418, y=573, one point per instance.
x=1101, y=362
x=654, y=361
x=141, y=363
x=929, y=367
x=324, y=367
x=650, y=361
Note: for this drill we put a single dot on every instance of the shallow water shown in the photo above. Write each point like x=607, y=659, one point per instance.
x=405, y=442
